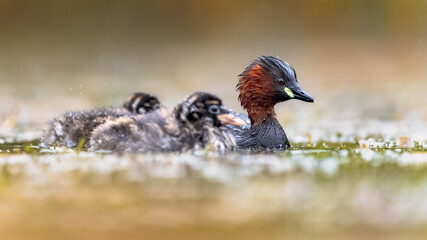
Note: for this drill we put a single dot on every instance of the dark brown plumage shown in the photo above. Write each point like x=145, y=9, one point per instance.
x=76, y=127
x=195, y=123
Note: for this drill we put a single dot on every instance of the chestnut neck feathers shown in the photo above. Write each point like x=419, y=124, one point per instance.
x=266, y=82
x=256, y=91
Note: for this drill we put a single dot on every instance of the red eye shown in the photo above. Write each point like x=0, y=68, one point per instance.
x=280, y=81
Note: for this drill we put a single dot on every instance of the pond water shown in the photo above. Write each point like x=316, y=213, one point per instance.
x=318, y=189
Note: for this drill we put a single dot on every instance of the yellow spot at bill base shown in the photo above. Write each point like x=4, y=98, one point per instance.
x=289, y=92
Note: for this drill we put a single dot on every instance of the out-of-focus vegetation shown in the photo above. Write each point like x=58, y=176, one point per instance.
x=359, y=59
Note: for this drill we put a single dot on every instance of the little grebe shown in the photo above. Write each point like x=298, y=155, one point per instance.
x=72, y=127
x=195, y=123
x=140, y=103
x=266, y=82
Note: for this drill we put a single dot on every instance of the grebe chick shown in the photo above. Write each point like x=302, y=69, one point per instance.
x=140, y=103
x=195, y=123
x=264, y=83
x=73, y=126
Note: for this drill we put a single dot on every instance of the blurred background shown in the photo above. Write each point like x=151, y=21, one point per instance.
x=358, y=166
x=360, y=59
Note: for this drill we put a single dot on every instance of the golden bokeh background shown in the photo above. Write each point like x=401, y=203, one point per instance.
x=358, y=58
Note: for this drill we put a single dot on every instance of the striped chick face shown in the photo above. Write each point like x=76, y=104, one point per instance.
x=141, y=103
x=201, y=106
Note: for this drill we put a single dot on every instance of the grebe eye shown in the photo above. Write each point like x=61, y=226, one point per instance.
x=214, y=109
x=280, y=81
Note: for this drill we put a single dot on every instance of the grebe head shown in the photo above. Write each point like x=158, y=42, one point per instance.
x=284, y=79
x=141, y=103
x=267, y=81
x=201, y=107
